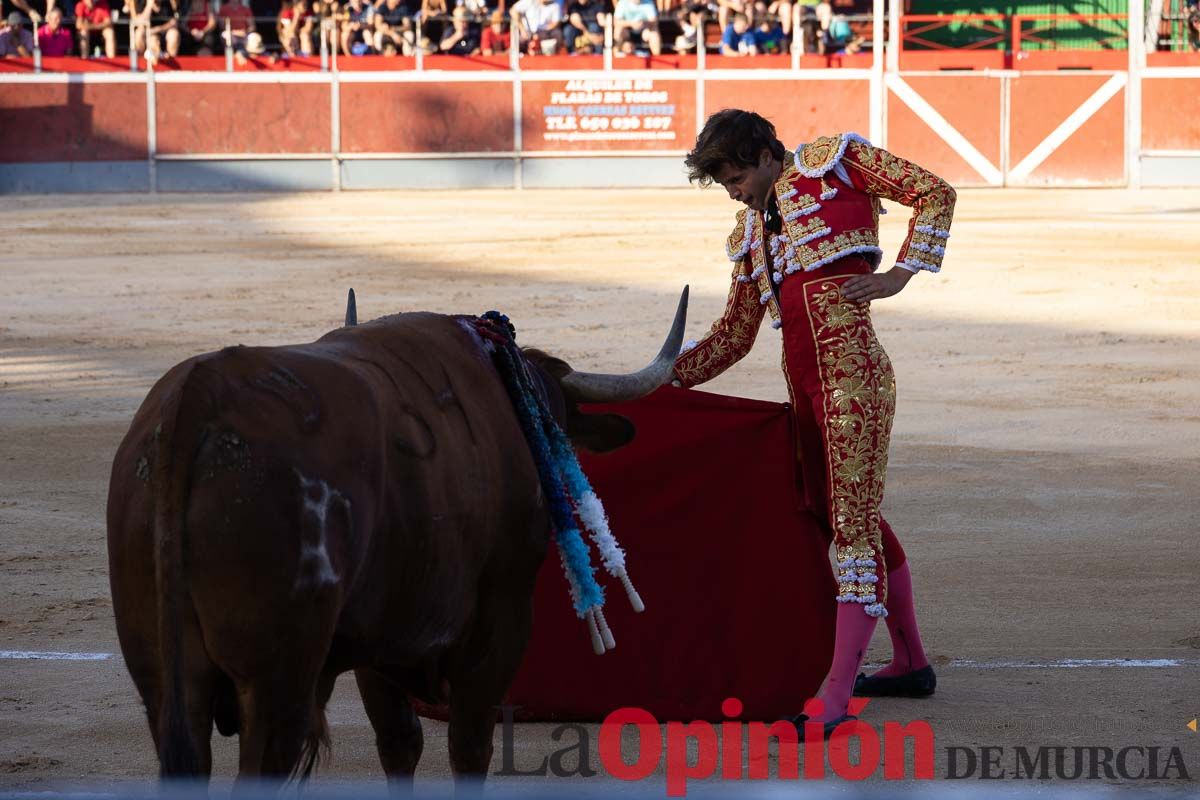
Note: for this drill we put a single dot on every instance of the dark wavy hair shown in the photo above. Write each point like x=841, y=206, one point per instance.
x=731, y=136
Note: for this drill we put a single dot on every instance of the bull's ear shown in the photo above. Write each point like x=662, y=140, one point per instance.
x=600, y=433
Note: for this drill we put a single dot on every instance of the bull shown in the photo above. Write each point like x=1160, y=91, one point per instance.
x=278, y=516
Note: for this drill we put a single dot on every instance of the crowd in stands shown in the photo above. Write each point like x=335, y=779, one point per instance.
x=169, y=28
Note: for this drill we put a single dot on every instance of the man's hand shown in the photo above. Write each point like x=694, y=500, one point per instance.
x=865, y=288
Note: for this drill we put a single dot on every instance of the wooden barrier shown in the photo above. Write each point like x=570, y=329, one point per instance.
x=985, y=129
x=72, y=121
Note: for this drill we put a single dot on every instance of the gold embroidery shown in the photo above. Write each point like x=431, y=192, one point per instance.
x=730, y=337
x=931, y=198
x=860, y=403
x=821, y=153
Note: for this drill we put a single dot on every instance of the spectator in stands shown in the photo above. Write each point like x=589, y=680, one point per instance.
x=199, y=37
x=92, y=17
x=1193, y=25
x=768, y=33
x=295, y=28
x=53, y=38
x=811, y=39
x=155, y=24
x=15, y=40
x=432, y=21
x=727, y=8
x=235, y=22
x=538, y=25
x=495, y=40
x=690, y=18
x=635, y=25
x=462, y=37
x=358, y=28
x=738, y=39
x=838, y=34
x=394, y=26
x=780, y=10
x=477, y=10
x=584, y=28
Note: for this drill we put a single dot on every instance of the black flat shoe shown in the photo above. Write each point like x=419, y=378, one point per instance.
x=918, y=683
x=830, y=726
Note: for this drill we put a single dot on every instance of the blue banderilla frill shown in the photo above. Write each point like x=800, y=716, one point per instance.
x=564, y=484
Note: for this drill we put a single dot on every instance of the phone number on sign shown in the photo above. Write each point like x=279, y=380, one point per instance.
x=608, y=123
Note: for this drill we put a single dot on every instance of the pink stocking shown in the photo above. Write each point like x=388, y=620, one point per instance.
x=907, y=652
x=854, y=629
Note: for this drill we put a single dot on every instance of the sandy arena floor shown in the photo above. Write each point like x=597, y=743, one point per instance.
x=1043, y=477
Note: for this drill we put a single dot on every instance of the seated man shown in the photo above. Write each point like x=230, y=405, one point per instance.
x=15, y=41
x=93, y=18
x=394, y=26
x=462, y=39
x=358, y=28
x=738, y=39
x=584, y=30
x=53, y=38
x=538, y=25
x=635, y=23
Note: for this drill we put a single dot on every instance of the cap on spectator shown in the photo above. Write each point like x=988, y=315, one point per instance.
x=497, y=16
x=254, y=44
x=15, y=20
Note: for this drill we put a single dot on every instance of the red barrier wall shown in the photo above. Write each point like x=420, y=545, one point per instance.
x=243, y=118
x=800, y=110
x=1171, y=113
x=427, y=117
x=72, y=122
x=645, y=110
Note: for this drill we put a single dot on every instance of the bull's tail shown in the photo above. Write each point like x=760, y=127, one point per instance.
x=316, y=747
x=175, y=449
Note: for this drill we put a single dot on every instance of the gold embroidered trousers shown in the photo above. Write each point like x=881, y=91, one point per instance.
x=843, y=393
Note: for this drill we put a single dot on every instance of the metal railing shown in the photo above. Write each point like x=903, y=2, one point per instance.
x=1069, y=32
x=961, y=31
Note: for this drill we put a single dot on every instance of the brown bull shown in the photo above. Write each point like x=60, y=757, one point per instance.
x=367, y=502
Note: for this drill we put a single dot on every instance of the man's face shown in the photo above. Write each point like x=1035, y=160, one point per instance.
x=749, y=185
x=54, y=19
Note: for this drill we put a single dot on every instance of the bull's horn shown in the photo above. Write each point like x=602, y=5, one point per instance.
x=351, y=310
x=588, y=387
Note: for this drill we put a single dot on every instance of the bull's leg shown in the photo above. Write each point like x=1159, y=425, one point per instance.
x=477, y=690
x=398, y=736
x=197, y=676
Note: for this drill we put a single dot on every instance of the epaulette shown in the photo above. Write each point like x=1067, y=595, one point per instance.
x=823, y=154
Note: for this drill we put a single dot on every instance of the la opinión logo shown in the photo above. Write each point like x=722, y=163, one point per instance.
x=740, y=752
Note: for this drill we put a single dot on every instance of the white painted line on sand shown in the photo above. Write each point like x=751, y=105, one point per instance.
x=31, y=655
x=1063, y=663
x=1077, y=663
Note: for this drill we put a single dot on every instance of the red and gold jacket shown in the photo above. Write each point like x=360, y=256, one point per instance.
x=829, y=198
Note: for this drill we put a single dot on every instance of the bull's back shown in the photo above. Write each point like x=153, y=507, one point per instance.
x=374, y=468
